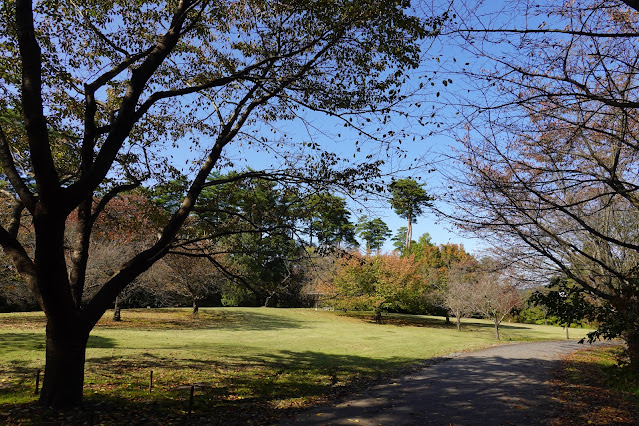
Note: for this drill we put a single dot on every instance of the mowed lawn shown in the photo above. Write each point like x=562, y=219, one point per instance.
x=247, y=365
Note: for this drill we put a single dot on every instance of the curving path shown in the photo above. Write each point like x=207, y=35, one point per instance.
x=503, y=385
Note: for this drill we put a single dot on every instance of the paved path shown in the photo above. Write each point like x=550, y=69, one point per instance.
x=504, y=385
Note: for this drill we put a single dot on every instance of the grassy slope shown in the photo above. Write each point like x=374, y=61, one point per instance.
x=244, y=362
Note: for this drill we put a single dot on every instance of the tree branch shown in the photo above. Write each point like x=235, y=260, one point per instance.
x=21, y=260
x=9, y=168
x=112, y=193
x=126, y=117
x=34, y=120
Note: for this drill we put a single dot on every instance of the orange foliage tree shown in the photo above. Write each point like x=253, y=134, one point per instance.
x=378, y=283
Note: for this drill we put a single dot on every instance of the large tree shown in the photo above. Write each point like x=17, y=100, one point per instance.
x=328, y=220
x=378, y=283
x=253, y=230
x=408, y=199
x=373, y=231
x=550, y=152
x=95, y=94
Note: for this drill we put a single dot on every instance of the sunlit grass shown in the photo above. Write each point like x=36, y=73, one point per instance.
x=244, y=362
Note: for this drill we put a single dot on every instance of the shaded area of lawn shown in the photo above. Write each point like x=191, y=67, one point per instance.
x=244, y=390
x=240, y=320
x=167, y=318
x=513, y=331
x=594, y=390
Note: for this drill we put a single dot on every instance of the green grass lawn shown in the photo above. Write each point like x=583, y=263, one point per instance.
x=247, y=364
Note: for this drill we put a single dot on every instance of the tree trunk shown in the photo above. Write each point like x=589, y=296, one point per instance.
x=64, y=368
x=116, y=310
x=497, y=330
x=196, y=307
x=458, y=319
x=409, y=234
x=378, y=316
x=632, y=341
x=567, y=333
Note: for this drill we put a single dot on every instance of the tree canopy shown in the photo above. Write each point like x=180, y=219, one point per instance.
x=377, y=283
x=373, y=231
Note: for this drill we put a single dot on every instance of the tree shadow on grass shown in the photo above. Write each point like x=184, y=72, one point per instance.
x=27, y=341
x=12, y=344
x=257, y=389
x=417, y=321
x=21, y=341
x=251, y=320
x=207, y=318
x=406, y=320
x=502, y=326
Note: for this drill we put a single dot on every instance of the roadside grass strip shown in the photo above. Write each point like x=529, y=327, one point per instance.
x=593, y=389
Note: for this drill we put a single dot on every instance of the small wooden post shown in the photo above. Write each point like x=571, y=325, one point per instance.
x=37, y=387
x=151, y=381
x=191, y=399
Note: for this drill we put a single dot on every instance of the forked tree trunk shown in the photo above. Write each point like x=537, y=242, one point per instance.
x=64, y=369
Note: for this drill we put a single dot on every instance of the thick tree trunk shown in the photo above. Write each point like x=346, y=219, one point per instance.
x=64, y=369
x=458, y=320
x=409, y=234
x=632, y=341
x=196, y=307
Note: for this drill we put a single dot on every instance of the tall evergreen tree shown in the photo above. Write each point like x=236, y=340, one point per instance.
x=408, y=199
x=374, y=232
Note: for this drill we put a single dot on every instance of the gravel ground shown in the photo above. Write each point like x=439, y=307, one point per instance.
x=503, y=385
